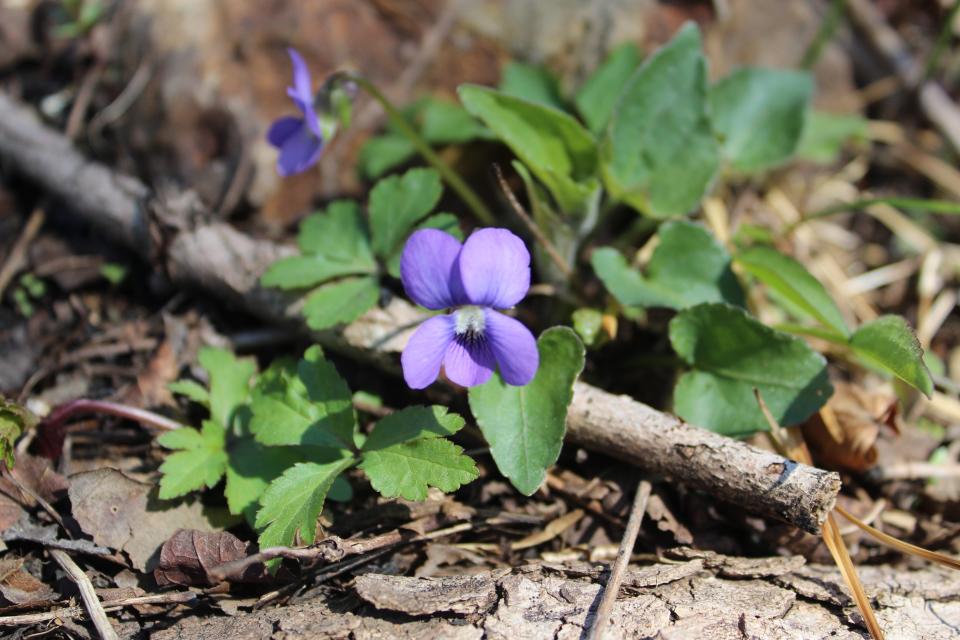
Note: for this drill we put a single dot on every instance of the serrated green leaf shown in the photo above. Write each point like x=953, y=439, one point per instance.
x=408, y=469
x=380, y=154
x=791, y=279
x=659, y=154
x=397, y=203
x=825, y=134
x=731, y=354
x=252, y=467
x=525, y=425
x=413, y=423
x=308, y=405
x=10, y=430
x=340, y=302
x=890, y=344
x=14, y=420
x=559, y=151
x=183, y=438
x=340, y=490
x=339, y=234
x=191, y=389
x=229, y=382
x=200, y=461
x=688, y=267
x=532, y=83
x=293, y=502
x=598, y=96
x=332, y=243
x=759, y=114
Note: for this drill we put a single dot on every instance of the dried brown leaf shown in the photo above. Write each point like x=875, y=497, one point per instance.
x=161, y=371
x=10, y=512
x=844, y=433
x=37, y=475
x=188, y=555
x=20, y=588
x=122, y=514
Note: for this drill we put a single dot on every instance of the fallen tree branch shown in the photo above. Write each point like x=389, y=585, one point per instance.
x=220, y=261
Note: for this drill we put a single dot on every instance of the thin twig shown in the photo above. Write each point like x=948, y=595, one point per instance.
x=18, y=253
x=532, y=226
x=97, y=615
x=620, y=565
x=38, y=498
x=331, y=549
x=177, y=597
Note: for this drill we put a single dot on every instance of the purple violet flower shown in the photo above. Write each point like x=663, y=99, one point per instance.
x=299, y=140
x=491, y=270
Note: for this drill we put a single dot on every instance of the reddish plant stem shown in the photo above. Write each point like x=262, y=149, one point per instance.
x=53, y=429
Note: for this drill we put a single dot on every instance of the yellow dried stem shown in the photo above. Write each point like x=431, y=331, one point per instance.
x=899, y=545
x=790, y=443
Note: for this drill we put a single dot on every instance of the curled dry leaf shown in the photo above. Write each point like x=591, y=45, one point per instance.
x=187, y=557
x=18, y=587
x=844, y=433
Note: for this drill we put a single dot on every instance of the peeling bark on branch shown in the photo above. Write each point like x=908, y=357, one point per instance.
x=218, y=260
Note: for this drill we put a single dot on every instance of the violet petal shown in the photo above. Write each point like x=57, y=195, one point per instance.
x=429, y=269
x=513, y=346
x=299, y=152
x=282, y=128
x=469, y=363
x=495, y=268
x=301, y=88
x=424, y=353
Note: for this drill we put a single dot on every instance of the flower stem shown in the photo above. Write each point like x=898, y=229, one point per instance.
x=67, y=410
x=52, y=429
x=455, y=182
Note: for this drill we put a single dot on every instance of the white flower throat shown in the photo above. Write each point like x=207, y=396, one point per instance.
x=469, y=322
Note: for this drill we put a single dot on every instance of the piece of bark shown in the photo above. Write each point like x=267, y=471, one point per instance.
x=221, y=261
x=534, y=603
x=462, y=595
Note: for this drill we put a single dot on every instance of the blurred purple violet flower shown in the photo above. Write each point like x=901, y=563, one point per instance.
x=491, y=270
x=299, y=140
